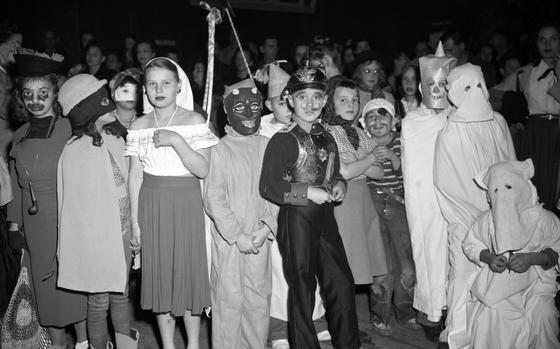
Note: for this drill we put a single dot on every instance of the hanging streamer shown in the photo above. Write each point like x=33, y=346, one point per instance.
x=214, y=17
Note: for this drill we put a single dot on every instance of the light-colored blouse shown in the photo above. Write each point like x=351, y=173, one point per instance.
x=164, y=161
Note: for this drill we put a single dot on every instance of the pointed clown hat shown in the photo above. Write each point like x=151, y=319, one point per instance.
x=277, y=80
x=433, y=74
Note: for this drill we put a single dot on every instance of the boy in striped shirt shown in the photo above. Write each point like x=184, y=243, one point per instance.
x=378, y=119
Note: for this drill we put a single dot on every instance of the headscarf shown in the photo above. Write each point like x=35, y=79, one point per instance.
x=331, y=118
x=467, y=91
x=184, y=98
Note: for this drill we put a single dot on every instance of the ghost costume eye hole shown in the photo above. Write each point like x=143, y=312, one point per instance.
x=479, y=85
x=467, y=88
x=508, y=186
x=496, y=190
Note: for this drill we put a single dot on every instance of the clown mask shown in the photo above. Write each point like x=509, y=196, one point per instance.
x=243, y=107
x=433, y=72
x=433, y=91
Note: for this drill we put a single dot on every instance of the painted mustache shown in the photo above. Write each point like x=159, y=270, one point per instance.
x=35, y=106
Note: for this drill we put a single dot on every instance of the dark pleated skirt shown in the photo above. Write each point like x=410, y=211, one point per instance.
x=541, y=142
x=174, y=264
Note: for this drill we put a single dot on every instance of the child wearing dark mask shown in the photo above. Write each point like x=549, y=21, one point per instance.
x=243, y=221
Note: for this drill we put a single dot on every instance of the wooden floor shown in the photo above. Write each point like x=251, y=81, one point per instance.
x=403, y=338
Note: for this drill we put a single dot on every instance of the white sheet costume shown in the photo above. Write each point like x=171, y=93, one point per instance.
x=474, y=138
x=509, y=309
x=428, y=229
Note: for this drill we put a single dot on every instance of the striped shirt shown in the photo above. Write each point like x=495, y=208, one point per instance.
x=392, y=179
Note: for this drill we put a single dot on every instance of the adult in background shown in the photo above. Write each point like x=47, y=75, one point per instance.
x=145, y=51
x=540, y=83
x=95, y=62
x=324, y=53
x=268, y=50
x=455, y=46
x=368, y=74
x=11, y=39
x=129, y=56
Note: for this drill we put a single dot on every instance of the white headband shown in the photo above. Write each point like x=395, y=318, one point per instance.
x=184, y=98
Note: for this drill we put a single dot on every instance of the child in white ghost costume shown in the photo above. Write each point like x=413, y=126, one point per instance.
x=428, y=229
x=240, y=276
x=270, y=124
x=513, y=308
x=474, y=138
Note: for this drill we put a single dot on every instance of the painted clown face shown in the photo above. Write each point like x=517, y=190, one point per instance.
x=38, y=97
x=243, y=108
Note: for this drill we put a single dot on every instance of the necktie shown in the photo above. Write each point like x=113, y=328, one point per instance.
x=545, y=74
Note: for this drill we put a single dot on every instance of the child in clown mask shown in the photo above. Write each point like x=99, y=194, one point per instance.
x=243, y=221
x=126, y=90
x=428, y=228
x=388, y=195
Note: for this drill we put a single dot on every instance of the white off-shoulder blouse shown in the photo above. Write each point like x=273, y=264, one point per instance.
x=164, y=161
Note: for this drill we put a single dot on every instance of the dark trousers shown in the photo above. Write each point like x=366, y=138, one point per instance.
x=311, y=248
x=398, y=287
x=279, y=328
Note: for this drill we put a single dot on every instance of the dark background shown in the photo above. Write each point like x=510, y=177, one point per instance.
x=389, y=24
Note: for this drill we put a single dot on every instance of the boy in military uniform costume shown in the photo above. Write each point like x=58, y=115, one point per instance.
x=300, y=173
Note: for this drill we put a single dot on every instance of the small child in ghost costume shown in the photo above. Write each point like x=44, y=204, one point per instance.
x=513, y=308
x=240, y=277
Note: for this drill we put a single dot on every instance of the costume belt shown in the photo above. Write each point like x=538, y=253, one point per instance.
x=391, y=194
x=543, y=116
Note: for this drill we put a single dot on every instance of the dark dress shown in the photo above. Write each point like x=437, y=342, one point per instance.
x=35, y=157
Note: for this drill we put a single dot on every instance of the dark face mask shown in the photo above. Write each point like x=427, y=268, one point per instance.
x=244, y=107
